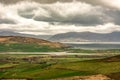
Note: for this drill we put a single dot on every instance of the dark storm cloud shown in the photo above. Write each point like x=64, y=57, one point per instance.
x=39, y=1
x=105, y=3
x=7, y=21
x=27, y=13
x=114, y=15
x=83, y=19
x=78, y=19
x=74, y=13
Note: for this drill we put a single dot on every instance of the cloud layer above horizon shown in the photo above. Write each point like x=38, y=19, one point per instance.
x=36, y=18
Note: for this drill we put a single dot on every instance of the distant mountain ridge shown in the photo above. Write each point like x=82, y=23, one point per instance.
x=12, y=33
x=86, y=37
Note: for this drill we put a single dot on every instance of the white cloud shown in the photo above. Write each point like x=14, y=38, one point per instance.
x=112, y=3
x=55, y=29
x=36, y=18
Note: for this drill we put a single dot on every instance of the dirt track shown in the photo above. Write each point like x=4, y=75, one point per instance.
x=93, y=77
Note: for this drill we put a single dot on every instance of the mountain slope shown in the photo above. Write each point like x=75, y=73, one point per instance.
x=86, y=36
x=28, y=40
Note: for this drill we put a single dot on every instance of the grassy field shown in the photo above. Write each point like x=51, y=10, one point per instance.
x=45, y=67
x=17, y=47
x=93, y=51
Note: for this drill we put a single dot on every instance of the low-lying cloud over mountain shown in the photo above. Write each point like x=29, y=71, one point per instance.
x=48, y=17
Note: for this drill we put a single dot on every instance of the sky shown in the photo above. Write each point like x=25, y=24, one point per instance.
x=49, y=17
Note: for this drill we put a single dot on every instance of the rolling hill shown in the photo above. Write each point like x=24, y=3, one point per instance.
x=27, y=44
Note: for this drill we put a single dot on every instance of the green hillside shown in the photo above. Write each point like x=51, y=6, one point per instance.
x=22, y=47
x=28, y=44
